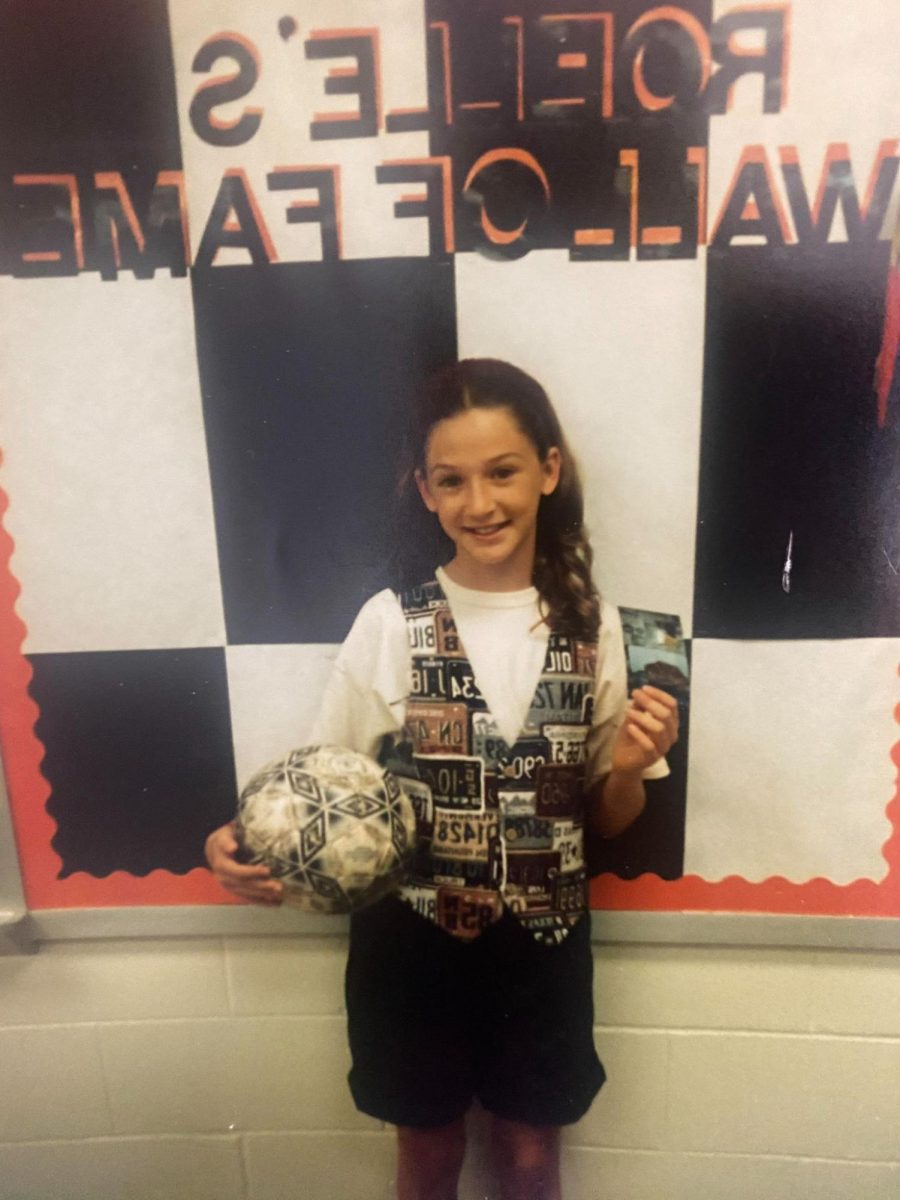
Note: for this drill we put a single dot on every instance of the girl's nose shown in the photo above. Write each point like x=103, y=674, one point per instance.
x=479, y=500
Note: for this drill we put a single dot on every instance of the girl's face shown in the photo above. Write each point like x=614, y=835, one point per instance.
x=484, y=480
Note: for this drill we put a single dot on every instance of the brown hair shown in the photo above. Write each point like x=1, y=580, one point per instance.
x=563, y=556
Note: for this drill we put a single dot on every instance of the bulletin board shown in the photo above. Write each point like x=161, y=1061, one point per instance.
x=234, y=235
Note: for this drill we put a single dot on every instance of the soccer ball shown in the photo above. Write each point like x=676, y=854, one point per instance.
x=331, y=824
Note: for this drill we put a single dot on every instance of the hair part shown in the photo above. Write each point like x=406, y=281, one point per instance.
x=563, y=555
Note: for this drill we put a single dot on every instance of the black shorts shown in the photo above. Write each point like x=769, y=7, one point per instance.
x=435, y=1020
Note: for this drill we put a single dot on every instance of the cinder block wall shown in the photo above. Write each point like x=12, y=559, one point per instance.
x=215, y=1069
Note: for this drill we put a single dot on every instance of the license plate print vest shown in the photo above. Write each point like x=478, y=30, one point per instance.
x=497, y=825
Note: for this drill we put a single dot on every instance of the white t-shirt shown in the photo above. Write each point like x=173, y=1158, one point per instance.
x=506, y=644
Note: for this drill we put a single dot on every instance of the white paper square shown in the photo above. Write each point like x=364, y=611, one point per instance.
x=289, y=92
x=619, y=348
x=105, y=465
x=789, y=767
x=840, y=86
x=274, y=693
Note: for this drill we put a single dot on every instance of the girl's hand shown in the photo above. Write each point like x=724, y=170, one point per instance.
x=252, y=883
x=649, y=730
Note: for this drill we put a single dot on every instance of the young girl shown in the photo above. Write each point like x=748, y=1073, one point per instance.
x=498, y=682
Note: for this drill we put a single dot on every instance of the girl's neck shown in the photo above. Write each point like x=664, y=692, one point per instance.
x=484, y=577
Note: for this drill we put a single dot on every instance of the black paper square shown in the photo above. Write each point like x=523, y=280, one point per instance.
x=138, y=756
x=305, y=370
x=87, y=87
x=791, y=452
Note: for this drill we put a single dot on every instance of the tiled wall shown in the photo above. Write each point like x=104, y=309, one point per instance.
x=214, y=1070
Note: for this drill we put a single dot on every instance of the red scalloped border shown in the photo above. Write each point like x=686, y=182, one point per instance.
x=22, y=754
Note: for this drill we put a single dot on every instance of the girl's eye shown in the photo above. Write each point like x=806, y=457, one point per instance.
x=504, y=472
x=448, y=481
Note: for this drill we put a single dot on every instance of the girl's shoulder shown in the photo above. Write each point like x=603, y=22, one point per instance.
x=383, y=606
x=610, y=645
x=610, y=621
x=380, y=618
x=374, y=656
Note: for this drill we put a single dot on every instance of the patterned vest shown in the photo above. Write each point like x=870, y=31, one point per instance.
x=496, y=824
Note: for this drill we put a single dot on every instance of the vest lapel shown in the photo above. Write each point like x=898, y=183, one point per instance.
x=497, y=825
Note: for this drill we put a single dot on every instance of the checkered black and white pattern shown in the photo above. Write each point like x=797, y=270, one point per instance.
x=199, y=455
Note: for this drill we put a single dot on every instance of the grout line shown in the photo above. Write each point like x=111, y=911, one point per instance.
x=808, y=975
x=244, y=1166
x=115, y=1138
x=667, y=1096
x=367, y=1135
x=328, y=1133
x=104, y=1077
x=644, y=1151
x=229, y=981
x=819, y=1035
x=198, y=1020
x=651, y=1152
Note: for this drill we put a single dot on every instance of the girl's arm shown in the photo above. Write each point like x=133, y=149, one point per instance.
x=347, y=717
x=614, y=802
x=649, y=730
x=372, y=663
x=252, y=883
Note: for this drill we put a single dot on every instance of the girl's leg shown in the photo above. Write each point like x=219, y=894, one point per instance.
x=526, y=1160
x=429, y=1161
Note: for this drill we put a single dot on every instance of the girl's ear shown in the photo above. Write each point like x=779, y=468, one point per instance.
x=422, y=485
x=551, y=467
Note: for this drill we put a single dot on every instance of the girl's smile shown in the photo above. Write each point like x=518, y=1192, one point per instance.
x=484, y=481
x=484, y=532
